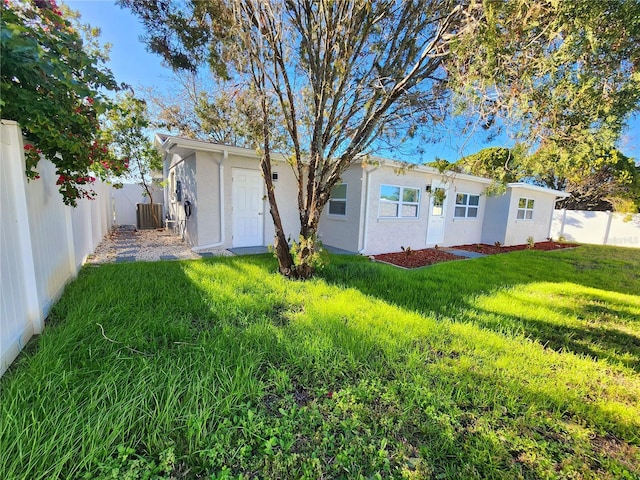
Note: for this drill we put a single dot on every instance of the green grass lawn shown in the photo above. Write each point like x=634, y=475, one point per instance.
x=522, y=365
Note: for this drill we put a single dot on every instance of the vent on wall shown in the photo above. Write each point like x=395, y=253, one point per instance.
x=148, y=218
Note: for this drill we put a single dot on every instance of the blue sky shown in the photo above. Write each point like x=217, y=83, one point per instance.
x=132, y=64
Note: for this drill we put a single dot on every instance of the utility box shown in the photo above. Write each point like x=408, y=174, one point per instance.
x=148, y=218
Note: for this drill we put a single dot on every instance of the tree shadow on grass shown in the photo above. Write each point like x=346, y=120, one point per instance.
x=444, y=287
x=611, y=344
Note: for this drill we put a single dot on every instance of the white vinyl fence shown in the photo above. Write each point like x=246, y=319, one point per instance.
x=601, y=228
x=126, y=198
x=43, y=242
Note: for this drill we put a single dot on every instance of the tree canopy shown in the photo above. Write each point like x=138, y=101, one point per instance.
x=561, y=75
x=53, y=84
x=127, y=130
x=609, y=180
x=199, y=108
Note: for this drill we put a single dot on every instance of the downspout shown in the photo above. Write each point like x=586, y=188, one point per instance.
x=365, y=209
x=200, y=248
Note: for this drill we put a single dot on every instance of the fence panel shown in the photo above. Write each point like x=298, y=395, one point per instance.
x=600, y=228
x=44, y=242
x=126, y=198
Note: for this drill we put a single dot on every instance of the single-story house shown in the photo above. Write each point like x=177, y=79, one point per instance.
x=215, y=195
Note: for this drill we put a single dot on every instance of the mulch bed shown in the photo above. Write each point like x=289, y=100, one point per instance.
x=430, y=256
x=492, y=249
x=416, y=258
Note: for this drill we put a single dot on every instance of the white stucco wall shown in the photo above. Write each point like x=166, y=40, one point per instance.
x=463, y=231
x=494, y=225
x=185, y=172
x=343, y=231
x=385, y=235
x=518, y=231
x=207, y=200
x=286, y=190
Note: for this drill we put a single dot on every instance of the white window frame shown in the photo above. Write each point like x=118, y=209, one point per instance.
x=467, y=206
x=333, y=199
x=526, y=209
x=400, y=203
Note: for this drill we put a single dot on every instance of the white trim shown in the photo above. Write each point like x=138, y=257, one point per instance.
x=537, y=188
x=431, y=170
x=364, y=209
x=171, y=142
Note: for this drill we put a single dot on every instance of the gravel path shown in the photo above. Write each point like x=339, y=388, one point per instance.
x=127, y=244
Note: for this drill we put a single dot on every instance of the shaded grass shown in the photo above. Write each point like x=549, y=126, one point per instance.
x=518, y=365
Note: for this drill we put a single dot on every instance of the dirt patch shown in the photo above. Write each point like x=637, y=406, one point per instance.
x=416, y=258
x=624, y=453
x=493, y=249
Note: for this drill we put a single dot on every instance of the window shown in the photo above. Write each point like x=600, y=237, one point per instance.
x=466, y=205
x=398, y=202
x=525, y=209
x=437, y=202
x=338, y=200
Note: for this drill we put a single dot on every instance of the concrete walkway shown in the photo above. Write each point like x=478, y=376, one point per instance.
x=256, y=250
x=125, y=243
x=464, y=253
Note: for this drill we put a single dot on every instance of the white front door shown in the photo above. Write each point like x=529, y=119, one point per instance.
x=435, y=227
x=248, y=210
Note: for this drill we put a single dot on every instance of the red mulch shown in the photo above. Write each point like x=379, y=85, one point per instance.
x=492, y=249
x=416, y=258
x=429, y=256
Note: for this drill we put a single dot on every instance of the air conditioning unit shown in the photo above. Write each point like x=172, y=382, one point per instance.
x=148, y=218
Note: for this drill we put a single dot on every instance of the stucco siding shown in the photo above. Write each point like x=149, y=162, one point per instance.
x=461, y=231
x=185, y=173
x=207, y=201
x=390, y=234
x=518, y=230
x=286, y=190
x=494, y=226
x=343, y=231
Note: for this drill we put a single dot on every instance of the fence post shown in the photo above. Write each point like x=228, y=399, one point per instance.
x=607, y=229
x=14, y=167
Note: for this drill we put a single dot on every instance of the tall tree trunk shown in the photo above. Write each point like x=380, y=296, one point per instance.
x=285, y=261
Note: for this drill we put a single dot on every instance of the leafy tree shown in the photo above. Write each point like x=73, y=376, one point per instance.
x=339, y=74
x=127, y=131
x=565, y=75
x=222, y=113
x=606, y=180
x=501, y=164
x=52, y=84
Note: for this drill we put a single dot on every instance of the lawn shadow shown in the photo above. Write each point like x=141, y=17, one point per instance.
x=445, y=288
x=173, y=353
x=597, y=342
